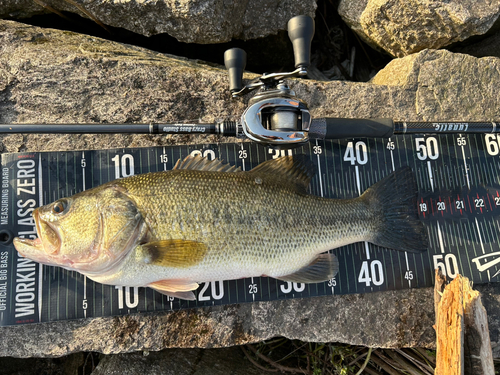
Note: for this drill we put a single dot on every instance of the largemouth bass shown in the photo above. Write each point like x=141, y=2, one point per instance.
x=207, y=221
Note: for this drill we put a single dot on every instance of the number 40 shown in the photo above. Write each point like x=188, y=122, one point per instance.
x=372, y=273
x=356, y=153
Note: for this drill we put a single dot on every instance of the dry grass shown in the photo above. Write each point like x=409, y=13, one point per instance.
x=281, y=355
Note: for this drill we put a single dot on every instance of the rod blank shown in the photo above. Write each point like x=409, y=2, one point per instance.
x=321, y=128
x=168, y=128
x=442, y=127
x=339, y=128
x=75, y=128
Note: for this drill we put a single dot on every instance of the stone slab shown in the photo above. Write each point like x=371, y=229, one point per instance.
x=49, y=76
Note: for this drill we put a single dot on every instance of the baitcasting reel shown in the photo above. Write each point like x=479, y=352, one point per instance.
x=275, y=116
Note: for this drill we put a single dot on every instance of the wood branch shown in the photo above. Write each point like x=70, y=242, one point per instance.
x=478, y=356
x=461, y=325
x=450, y=329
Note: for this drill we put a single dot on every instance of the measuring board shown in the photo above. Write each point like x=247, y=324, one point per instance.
x=459, y=202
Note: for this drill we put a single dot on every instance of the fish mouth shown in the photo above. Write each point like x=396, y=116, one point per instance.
x=31, y=249
x=47, y=244
x=48, y=234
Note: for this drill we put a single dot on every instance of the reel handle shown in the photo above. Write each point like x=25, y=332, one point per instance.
x=235, y=60
x=301, y=32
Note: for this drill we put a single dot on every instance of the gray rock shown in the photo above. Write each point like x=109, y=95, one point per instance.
x=401, y=28
x=391, y=319
x=178, y=362
x=190, y=21
x=443, y=85
x=54, y=76
x=231, y=360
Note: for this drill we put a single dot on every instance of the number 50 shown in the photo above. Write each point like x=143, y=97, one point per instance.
x=447, y=264
x=427, y=148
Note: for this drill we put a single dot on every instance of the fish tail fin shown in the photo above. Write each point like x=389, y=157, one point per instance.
x=394, y=205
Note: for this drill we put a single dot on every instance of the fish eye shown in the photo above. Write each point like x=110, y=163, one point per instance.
x=60, y=206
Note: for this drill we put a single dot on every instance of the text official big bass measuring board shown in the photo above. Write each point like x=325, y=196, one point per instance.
x=459, y=202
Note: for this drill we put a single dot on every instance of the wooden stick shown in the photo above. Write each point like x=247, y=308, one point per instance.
x=450, y=329
x=478, y=356
x=461, y=324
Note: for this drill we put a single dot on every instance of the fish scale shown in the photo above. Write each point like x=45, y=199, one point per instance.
x=471, y=160
x=258, y=235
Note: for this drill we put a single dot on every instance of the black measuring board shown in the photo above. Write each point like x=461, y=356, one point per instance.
x=459, y=202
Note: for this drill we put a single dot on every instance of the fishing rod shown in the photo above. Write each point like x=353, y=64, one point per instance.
x=275, y=116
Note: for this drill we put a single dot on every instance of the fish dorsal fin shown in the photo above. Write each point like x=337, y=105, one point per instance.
x=173, y=253
x=297, y=170
x=199, y=163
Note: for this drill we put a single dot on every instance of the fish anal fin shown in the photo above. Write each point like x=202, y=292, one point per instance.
x=174, y=253
x=294, y=170
x=322, y=268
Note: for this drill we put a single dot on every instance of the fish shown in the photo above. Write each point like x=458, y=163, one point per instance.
x=205, y=221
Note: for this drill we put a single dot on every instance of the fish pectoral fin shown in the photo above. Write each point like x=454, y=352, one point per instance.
x=174, y=285
x=181, y=289
x=189, y=296
x=174, y=253
x=322, y=268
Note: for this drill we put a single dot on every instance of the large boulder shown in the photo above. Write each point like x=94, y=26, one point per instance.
x=401, y=28
x=190, y=21
x=49, y=76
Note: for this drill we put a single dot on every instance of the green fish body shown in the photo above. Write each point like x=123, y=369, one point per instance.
x=207, y=221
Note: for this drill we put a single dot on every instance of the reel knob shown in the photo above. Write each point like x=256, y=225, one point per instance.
x=301, y=32
x=235, y=60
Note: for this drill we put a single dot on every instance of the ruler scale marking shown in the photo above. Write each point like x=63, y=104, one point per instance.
x=456, y=166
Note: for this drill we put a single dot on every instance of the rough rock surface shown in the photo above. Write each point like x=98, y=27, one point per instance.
x=402, y=28
x=231, y=360
x=190, y=21
x=391, y=319
x=53, y=76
